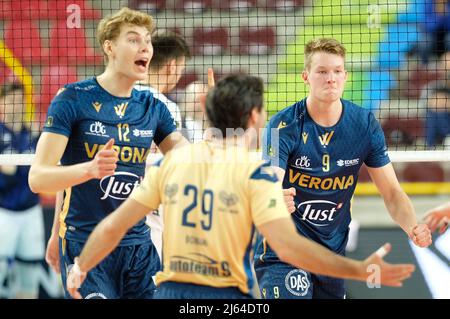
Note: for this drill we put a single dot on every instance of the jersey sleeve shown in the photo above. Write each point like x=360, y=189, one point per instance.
x=166, y=123
x=62, y=113
x=377, y=155
x=148, y=193
x=277, y=142
x=266, y=196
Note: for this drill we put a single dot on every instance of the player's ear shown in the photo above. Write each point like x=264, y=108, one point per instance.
x=172, y=67
x=107, y=48
x=305, y=76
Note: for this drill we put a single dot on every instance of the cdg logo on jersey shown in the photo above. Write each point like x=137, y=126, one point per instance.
x=303, y=162
x=97, y=128
x=120, y=185
x=316, y=216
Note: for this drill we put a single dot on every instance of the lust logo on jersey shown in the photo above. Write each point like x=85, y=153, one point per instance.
x=319, y=213
x=119, y=186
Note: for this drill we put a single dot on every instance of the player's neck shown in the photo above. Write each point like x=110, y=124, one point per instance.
x=324, y=114
x=116, y=84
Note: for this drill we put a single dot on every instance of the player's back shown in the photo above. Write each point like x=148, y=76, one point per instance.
x=206, y=191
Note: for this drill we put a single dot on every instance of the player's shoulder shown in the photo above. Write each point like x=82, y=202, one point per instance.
x=289, y=116
x=71, y=92
x=356, y=114
x=147, y=94
x=262, y=171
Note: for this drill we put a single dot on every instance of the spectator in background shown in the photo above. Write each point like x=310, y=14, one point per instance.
x=436, y=30
x=436, y=98
x=192, y=112
x=21, y=218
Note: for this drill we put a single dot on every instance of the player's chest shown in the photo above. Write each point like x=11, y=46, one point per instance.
x=321, y=152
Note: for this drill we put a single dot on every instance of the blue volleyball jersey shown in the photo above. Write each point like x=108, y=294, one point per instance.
x=15, y=194
x=89, y=116
x=322, y=164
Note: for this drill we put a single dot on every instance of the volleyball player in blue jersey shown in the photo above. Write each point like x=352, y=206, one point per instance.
x=317, y=147
x=101, y=130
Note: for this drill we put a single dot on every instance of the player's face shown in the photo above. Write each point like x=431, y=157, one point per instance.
x=176, y=72
x=326, y=77
x=132, y=51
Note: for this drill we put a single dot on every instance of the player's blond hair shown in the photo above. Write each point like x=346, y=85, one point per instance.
x=110, y=26
x=326, y=45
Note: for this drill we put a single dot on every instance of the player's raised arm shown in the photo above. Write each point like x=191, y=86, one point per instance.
x=47, y=176
x=308, y=255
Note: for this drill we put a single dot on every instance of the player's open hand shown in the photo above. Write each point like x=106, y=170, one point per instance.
x=421, y=235
x=104, y=162
x=390, y=274
x=75, y=279
x=437, y=219
x=289, y=199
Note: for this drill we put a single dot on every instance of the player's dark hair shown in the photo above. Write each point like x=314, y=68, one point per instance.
x=230, y=103
x=11, y=87
x=167, y=45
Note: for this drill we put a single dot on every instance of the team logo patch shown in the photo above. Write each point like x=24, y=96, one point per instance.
x=143, y=133
x=97, y=106
x=303, y=163
x=171, y=190
x=326, y=138
x=229, y=199
x=297, y=282
x=281, y=125
x=120, y=109
x=304, y=137
x=49, y=122
x=98, y=129
x=347, y=163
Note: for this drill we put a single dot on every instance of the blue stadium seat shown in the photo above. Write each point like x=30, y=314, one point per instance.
x=394, y=47
x=377, y=89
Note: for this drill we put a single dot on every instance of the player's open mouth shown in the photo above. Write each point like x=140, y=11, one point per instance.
x=142, y=64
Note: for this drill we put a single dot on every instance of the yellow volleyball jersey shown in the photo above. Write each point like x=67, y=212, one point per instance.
x=212, y=197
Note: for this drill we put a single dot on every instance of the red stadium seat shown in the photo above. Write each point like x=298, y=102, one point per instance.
x=210, y=40
x=417, y=80
x=186, y=79
x=423, y=172
x=23, y=38
x=402, y=131
x=193, y=6
x=256, y=41
x=70, y=46
x=53, y=78
x=149, y=6
x=237, y=5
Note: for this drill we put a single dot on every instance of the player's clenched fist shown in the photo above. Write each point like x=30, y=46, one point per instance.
x=289, y=199
x=421, y=235
x=104, y=162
